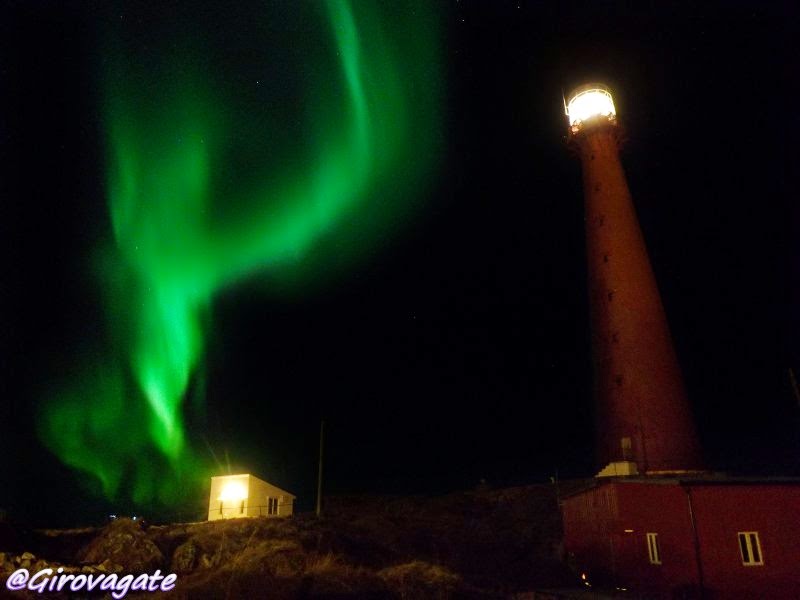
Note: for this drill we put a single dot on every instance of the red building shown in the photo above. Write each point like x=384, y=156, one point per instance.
x=670, y=537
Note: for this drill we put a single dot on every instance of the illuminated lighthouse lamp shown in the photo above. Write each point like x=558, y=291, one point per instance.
x=591, y=102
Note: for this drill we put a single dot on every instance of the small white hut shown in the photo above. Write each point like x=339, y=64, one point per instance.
x=234, y=496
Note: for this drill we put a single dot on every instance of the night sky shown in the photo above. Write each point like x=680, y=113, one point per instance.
x=458, y=350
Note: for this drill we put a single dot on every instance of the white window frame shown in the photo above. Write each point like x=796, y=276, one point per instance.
x=272, y=506
x=653, y=549
x=748, y=537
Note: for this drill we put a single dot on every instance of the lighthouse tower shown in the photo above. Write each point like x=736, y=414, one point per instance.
x=644, y=423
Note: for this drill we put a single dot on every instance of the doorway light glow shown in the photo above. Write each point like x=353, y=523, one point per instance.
x=233, y=491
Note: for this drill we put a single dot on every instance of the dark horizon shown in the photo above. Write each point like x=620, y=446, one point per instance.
x=459, y=349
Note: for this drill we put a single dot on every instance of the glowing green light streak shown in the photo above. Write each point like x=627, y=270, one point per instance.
x=169, y=148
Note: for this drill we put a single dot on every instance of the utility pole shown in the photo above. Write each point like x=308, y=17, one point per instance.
x=795, y=389
x=319, y=472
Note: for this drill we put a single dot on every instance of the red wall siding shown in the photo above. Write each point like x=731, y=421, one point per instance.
x=587, y=519
x=773, y=511
x=660, y=509
x=594, y=531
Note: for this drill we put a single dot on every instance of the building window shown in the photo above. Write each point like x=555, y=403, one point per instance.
x=625, y=444
x=750, y=547
x=653, y=551
x=272, y=506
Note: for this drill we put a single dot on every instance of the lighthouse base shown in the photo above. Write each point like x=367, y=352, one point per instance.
x=619, y=469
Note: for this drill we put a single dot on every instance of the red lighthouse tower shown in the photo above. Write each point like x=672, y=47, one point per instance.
x=644, y=422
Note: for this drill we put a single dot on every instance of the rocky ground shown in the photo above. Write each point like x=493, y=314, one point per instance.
x=488, y=544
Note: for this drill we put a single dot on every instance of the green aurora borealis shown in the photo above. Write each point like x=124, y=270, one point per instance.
x=290, y=180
